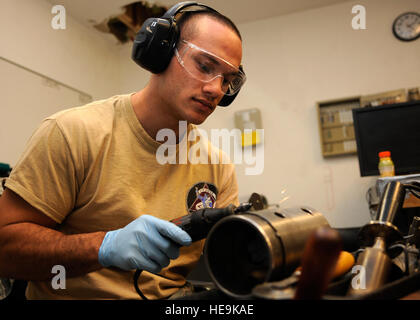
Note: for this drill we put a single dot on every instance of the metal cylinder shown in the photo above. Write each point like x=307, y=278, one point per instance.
x=389, y=207
x=375, y=266
x=391, y=202
x=242, y=251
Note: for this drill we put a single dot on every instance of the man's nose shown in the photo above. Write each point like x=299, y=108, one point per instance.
x=214, y=87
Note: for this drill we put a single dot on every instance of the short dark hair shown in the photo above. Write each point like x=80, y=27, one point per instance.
x=188, y=15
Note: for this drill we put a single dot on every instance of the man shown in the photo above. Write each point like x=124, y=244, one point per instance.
x=88, y=193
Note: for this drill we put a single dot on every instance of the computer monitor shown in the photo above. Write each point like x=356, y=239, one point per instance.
x=394, y=128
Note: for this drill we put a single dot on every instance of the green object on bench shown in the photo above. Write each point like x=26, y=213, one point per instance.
x=4, y=169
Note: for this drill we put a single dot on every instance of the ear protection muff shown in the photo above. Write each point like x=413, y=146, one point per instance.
x=154, y=44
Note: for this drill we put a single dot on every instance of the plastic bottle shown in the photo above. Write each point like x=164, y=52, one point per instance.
x=386, y=166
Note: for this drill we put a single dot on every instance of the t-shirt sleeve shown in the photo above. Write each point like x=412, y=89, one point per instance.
x=45, y=173
x=228, y=194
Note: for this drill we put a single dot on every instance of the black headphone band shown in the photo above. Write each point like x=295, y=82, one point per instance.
x=176, y=9
x=172, y=12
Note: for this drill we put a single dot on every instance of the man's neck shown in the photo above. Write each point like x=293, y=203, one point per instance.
x=151, y=113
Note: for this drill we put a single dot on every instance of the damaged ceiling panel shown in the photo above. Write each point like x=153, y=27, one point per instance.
x=124, y=26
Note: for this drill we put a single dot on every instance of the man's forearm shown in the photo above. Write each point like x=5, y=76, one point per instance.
x=29, y=251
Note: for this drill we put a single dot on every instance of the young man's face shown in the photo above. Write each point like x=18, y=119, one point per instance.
x=186, y=97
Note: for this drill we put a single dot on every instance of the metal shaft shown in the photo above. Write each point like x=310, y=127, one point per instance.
x=391, y=202
x=374, y=266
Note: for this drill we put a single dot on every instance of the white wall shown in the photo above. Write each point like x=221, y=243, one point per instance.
x=132, y=77
x=292, y=61
x=78, y=57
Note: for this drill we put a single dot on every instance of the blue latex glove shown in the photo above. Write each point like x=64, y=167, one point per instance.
x=147, y=243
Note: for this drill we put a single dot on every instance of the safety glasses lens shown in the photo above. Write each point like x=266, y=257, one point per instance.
x=206, y=67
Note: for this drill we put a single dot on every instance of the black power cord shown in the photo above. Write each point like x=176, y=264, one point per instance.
x=136, y=277
x=136, y=285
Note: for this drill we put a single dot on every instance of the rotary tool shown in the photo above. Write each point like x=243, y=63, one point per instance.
x=198, y=224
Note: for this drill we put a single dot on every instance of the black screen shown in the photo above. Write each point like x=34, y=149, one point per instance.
x=394, y=128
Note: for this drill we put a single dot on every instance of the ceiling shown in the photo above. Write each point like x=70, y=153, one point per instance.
x=90, y=12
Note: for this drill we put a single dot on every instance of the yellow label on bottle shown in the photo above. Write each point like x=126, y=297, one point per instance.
x=250, y=138
x=387, y=171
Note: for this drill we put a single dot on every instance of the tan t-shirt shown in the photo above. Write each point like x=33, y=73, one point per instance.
x=94, y=168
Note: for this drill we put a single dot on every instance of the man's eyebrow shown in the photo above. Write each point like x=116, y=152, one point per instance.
x=211, y=58
x=216, y=62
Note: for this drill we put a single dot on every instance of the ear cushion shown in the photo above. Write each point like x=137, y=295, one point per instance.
x=154, y=44
x=227, y=100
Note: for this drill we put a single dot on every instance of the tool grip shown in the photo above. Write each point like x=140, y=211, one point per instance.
x=318, y=263
x=198, y=223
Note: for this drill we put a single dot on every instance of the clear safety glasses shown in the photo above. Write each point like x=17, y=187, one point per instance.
x=206, y=66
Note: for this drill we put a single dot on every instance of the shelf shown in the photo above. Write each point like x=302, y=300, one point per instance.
x=338, y=140
x=344, y=124
x=336, y=129
x=330, y=154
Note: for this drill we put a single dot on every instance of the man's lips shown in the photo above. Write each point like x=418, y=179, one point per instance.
x=206, y=103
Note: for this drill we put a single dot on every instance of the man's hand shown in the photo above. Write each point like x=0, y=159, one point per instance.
x=147, y=243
